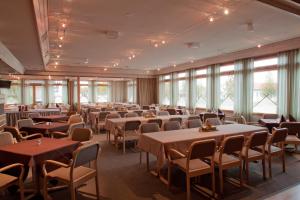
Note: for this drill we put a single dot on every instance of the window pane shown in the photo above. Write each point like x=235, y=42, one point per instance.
x=102, y=91
x=131, y=91
x=201, y=97
x=265, y=92
x=266, y=62
x=13, y=94
x=227, y=92
x=227, y=68
x=165, y=93
x=182, y=99
x=58, y=91
x=201, y=71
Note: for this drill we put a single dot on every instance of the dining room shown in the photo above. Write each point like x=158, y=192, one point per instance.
x=137, y=100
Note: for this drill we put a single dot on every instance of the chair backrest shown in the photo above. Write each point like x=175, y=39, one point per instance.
x=122, y=113
x=6, y=138
x=202, y=149
x=278, y=135
x=33, y=115
x=146, y=107
x=139, y=112
x=291, y=118
x=163, y=113
x=293, y=127
x=172, y=111
x=171, y=125
x=81, y=134
x=113, y=116
x=194, y=123
x=103, y=115
x=243, y=120
x=85, y=154
x=14, y=131
x=258, y=139
x=149, y=128
x=75, y=125
x=193, y=117
x=209, y=115
x=158, y=121
x=232, y=144
x=131, y=114
x=75, y=119
x=213, y=121
x=24, y=122
x=178, y=119
x=132, y=125
x=270, y=116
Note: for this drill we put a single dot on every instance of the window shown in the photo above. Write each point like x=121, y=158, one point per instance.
x=102, y=91
x=13, y=94
x=35, y=92
x=226, y=96
x=131, y=91
x=85, y=91
x=165, y=90
x=57, y=91
x=200, y=96
x=265, y=83
x=181, y=89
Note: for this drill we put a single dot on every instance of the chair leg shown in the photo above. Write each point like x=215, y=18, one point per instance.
x=221, y=180
x=270, y=167
x=213, y=183
x=247, y=170
x=72, y=192
x=147, y=160
x=140, y=157
x=21, y=186
x=241, y=174
x=188, y=187
x=283, y=161
x=97, y=187
x=264, y=168
x=45, y=189
x=124, y=148
x=169, y=174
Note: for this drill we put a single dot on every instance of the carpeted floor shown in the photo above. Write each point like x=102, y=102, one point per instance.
x=122, y=178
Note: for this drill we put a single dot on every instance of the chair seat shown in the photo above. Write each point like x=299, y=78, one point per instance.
x=226, y=159
x=6, y=179
x=251, y=153
x=292, y=139
x=273, y=149
x=195, y=165
x=78, y=173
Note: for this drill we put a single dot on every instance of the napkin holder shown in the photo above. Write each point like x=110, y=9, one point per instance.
x=206, y=128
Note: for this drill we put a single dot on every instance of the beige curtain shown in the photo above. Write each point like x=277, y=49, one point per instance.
x=146, y=91
x=119, y=91
x=70, y=92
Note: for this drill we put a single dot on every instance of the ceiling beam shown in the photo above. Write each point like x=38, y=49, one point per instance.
x=7, y=57
x=286, y=5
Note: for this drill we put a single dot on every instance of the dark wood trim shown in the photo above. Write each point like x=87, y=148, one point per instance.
x=291, y=7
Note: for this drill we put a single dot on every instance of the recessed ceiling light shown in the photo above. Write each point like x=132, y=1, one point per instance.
x=192, y=61
x=147, y=71
x=105, y=69
x=211, y=19
x=133, y=56
x=63, y=25
x=158, y=69
x=129, y=58
x=61, y=37
x=226, y=11
x=56, y=63
x=60, y=46
x=259, y=45
x=163, y=42
x=55, y=66
x=174, y=65
x=57, y=56
x=49, y=77
x=155, y=45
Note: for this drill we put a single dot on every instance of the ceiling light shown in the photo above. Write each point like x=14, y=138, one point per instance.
x=56, y=63
x=226, y=11
x=61, y=37
x=158, y=69
x=211, y=19
x=133, y=56
x=163, y=42
x=259, y=45
x=63, y=25
x=86, y=61
x=49, y=77
x=155, y=45
x=55, y=66
x=192, y=61
x=148, y=71
x=57, y=56
x=60, y=45
x=174, y=65
x=129, y=58
x=105, y=69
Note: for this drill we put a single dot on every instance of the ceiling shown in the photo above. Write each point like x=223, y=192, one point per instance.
x=102, y=33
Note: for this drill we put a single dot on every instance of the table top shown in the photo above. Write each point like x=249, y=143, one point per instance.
x=166, y=117
x=48, y=125
x=32, y=148
x=51, y=117
x=165, y=137
x=269, y=121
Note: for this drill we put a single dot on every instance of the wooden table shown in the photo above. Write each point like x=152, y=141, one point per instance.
x=270, y=123
x=220, y=115
x=158, y=143
x=32, y=154
x=46, y=128
x=51, y=118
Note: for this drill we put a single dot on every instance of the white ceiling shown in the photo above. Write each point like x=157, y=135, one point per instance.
x=175, y=21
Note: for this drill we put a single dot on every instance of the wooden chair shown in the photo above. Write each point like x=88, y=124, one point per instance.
x=131, y=114
x=193, y=163
x=209, y=115
x=293, y=133
x=139, y=112
x=251, y=151
x=21, y=135
x=193, y=117
x=101, y=120
x=24, y=122
x=163, y=113
x=58, y=134
x=128, y=132
x=172, y=111
x=213, y=121
x=194, y=123
x=275, y=147
x=178, y=119
x=74, y=174
x=146, y=107
x=172, y=125
x=82, y=135
x=6, y=138
x=75, y=119
x=270, y=116
x=225, y=157
x=111, y=116
x=244, y=121
x=122, y=113
x=7, y=180
x=158, y=121
x=148, y=128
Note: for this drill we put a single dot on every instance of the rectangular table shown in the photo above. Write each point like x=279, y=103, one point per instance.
x=158, y=143
x=46, y=128
x=51, y=118
x=270, y=123
x=31, y=154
